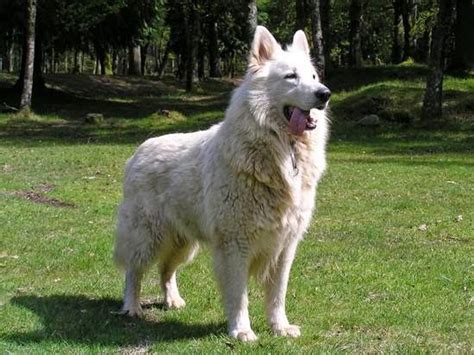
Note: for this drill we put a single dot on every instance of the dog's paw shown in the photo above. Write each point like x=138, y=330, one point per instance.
x=135, y=312
x=243, y=335
x=174, y=302
x=292, y=331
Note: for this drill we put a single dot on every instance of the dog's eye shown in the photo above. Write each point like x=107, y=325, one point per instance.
x=290, y=76
x=314, y=76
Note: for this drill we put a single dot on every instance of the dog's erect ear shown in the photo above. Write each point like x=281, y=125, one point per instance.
x=300, y=42
x=264, y=46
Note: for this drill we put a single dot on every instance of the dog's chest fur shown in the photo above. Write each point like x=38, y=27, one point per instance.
x=280, y=187
x=281, y=194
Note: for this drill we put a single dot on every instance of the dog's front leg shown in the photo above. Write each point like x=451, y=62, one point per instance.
x=275, y=294
x=231, y=267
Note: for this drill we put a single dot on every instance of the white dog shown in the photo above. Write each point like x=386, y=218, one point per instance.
x=246, y=187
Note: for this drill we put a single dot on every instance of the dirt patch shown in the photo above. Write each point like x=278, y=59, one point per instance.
x=45, y=187
x=38, y=197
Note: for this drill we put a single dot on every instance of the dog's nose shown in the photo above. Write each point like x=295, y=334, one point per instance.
x=323, y=95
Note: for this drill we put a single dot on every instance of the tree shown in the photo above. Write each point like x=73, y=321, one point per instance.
x=432, y=102
x=214, y=68
x=424, y=16
x=355, y=49
x=27, y=89
x=252, y=18
x=192, y=23
x=301, y=14
x=463, y=53
x=163, y=61
x=141, y=17
x=317, y=37
x=8, y=50
x=134, y=60
x=12, y=14
x=396, y=48
x=406, y=9
x=325, y=9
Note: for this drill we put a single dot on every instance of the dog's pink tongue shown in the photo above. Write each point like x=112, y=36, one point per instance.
x=297, y=122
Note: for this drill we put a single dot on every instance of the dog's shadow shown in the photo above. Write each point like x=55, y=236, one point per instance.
x=81, y=319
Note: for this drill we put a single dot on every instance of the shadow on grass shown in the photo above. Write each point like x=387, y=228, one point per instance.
x=85, y=320
x=70, y=106
x=30, y=132
x=68, y=111
x=339, y=80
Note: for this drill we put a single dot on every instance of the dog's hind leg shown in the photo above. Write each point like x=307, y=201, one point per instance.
x=175, y=255
x=135, y=248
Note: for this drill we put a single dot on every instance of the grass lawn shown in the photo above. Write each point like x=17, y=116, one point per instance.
x=387, y=265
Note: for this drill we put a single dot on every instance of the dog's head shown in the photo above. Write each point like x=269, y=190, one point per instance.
x=287, y=81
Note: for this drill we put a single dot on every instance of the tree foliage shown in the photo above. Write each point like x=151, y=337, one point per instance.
x=197, y=38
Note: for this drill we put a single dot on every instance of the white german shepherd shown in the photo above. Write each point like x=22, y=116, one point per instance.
x=245, y=186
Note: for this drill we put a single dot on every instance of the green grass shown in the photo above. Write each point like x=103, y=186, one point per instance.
x=367, y=277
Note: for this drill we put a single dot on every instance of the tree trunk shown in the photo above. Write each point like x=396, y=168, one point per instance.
x=66, y=63
x=180, y=72
x=164, y=60
x=232, y=66
x=201, y=60
x=9, y=43
x=10, y=54
x=156, y=49
x=100, y=53
x=27, y=90
x=396, y=48
x=406, y=7
x=355, y=50
x=134, y=60
x=301, y=9
x=432, y=102
x=191, y=42
x=317, y=36
x=325, y=9
x=143, y=54
x=214, y=68
x=124, y=62
x=463, y=53
x=102, y=62
x=115, y=61
x=199, y=43
x=38, y=80
x=252, y=19
x=76, y=68
x=53, y=60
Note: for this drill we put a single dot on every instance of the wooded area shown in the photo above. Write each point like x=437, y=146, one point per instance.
x=196, y=39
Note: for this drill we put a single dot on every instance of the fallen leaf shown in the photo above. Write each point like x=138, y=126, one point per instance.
x=423, y=227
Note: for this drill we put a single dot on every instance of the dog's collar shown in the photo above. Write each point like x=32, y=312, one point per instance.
x=293, y=157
